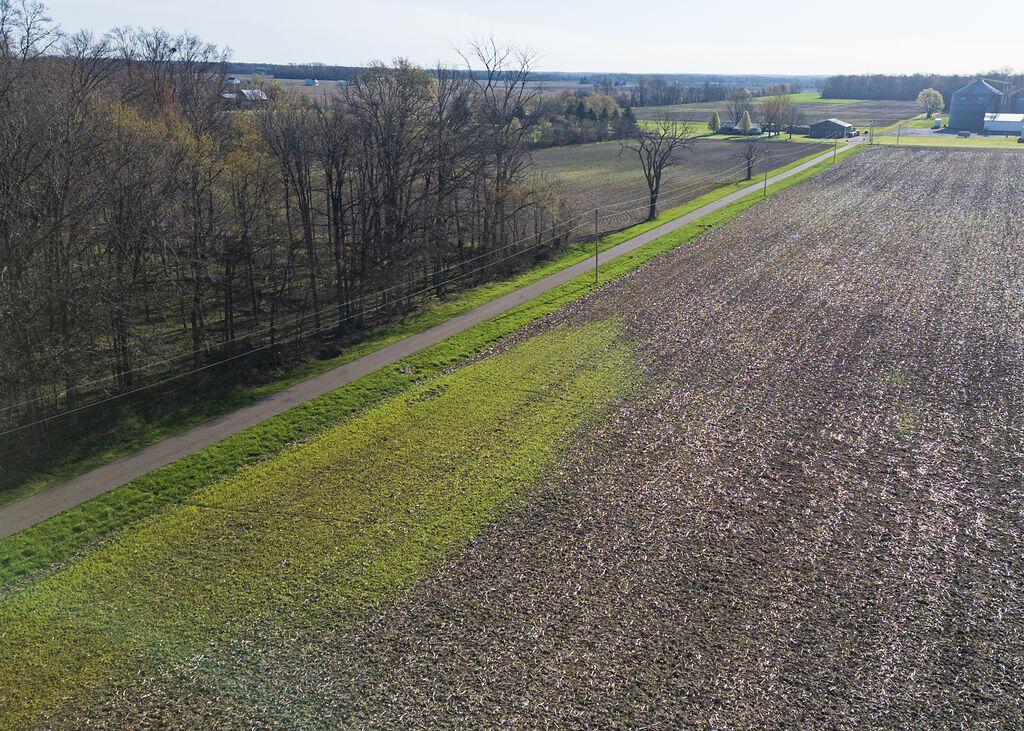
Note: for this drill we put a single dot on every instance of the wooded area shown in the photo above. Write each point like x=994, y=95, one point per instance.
x=147, y=229
x=905, y=87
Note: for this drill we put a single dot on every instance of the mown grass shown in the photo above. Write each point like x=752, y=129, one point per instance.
x=949, y=140
x=62, y=537
x=331, y=526
x=809, y=97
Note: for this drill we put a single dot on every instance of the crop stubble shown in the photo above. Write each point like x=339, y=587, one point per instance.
x=811, y=516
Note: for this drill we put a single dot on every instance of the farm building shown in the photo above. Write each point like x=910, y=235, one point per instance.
x=828, y=129
x=245, y=98
x=1004, y=124
x=969, y=105
x=729, y=128
x=310, y=82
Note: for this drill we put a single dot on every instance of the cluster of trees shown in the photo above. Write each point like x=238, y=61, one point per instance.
x=906, y=87
x=775, y=113
x=145, y=229
x=569, y=119
x=658, y=91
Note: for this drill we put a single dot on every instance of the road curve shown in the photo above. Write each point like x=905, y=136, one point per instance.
x=50, y=502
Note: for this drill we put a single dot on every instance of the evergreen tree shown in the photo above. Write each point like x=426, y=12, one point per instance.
x=745, y=124
x=715, y=123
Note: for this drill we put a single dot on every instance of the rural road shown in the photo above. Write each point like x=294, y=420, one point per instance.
x=50, y=502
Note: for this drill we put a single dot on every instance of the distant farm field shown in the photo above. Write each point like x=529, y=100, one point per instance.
x=603, y=175
x=857, y=112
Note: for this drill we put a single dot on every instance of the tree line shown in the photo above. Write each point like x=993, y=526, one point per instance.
x=146, y=228
x=906, y=87
x=656, y=91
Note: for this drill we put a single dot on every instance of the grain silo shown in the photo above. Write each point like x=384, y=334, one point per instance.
x=969, y=105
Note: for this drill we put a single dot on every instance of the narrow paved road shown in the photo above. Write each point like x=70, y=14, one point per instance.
x=48, y=503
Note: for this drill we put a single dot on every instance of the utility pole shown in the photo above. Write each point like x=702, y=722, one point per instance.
x=597, y=245
x=835, y=148
x=767, y=165
x=898, y=131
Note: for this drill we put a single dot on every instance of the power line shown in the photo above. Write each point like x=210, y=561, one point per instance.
x=329, y=311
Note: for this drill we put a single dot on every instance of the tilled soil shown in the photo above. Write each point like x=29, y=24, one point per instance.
x=809, y=517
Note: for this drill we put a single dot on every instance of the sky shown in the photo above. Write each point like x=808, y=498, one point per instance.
x=649, y=36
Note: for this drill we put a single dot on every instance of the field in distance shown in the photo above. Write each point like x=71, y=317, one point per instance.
x=858, y=112
x=604, y=175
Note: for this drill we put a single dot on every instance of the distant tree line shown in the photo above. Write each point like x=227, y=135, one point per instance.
x=906, y=87
x=295, y=71
x=145, y=229
x=657, y=91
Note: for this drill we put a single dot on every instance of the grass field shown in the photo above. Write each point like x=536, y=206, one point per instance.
x=952, y=141
x=858, y=112
x=814, y=97
x=770, y=479
x=337, y=523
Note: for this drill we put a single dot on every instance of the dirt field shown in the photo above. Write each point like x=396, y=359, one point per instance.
x=606, y=176
x=857, y=112
x=809, y=516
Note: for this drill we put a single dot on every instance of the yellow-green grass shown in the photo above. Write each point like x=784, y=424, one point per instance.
x=950, y=140
x=815, y=96
x=330, y=527
x=920, y=121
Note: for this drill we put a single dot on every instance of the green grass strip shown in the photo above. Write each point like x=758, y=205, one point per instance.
x=329, y=528
x=56, y=540
x=948, y=140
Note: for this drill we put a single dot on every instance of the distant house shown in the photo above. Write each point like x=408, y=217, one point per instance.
x=830, y=129
x=233, y=81
x=310, y=82
x=245, y=98
x=730, y=128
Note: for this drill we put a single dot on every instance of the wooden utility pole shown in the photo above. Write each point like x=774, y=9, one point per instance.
x=597, y=245
x=767, y=166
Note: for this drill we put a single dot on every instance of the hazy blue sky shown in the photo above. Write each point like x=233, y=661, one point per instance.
x=792, y=36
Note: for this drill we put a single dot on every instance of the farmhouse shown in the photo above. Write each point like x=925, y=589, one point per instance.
x=828, y=129
x=730, y=128
x=310, y=82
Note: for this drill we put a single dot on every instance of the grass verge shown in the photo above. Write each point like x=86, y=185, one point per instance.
x=328, y=528
x=947, y=140
x=56, y=540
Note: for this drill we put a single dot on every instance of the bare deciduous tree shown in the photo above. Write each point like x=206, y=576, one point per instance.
x=738, y=101
x=657, y=145
x=774, y=111
x=752, y=153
